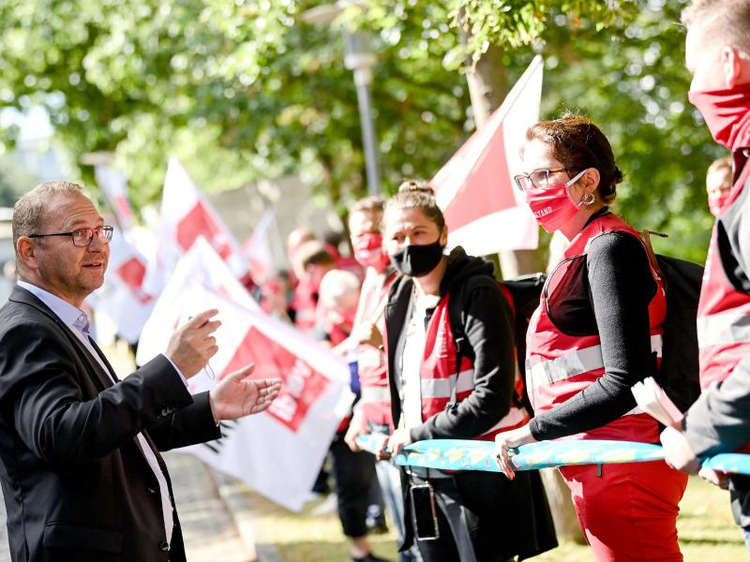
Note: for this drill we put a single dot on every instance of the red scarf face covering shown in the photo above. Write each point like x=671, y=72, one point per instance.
x=727, y=114
x=716, y=203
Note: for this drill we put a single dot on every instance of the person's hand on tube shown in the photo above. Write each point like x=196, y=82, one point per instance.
x=677, y=451
x=511, y=440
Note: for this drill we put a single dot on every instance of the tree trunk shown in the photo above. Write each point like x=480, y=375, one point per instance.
x=488, y=86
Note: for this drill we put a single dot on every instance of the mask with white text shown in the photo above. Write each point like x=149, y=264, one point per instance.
x=552, y=206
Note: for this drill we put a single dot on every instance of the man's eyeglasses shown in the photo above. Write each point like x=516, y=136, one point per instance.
x=82, y=237
x=538, y=178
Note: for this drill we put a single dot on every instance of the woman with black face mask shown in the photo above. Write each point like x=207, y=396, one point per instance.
x=451, y=369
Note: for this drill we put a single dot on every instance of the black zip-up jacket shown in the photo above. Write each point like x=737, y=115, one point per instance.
x=490, y=334
x=507, y=517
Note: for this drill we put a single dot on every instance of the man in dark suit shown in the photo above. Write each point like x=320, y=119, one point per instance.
x=81, y=474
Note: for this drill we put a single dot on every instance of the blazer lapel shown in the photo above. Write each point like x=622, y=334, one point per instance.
x=101, y=379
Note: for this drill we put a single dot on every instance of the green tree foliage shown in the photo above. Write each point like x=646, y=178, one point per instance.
x=148, y=77
x=244, y=89
x=14, y=179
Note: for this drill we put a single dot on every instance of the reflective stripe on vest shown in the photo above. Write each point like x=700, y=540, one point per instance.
x=725, y=328
x=443, y=388
x=438, y=379
x=574, y=363
x=376, y=394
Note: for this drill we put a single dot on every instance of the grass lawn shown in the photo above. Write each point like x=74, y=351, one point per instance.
x=706, y=530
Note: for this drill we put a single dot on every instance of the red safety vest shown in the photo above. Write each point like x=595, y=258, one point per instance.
x=375, y=402
x=723, y=316
x=440, y=378
x=559, y=366
x=305, y=305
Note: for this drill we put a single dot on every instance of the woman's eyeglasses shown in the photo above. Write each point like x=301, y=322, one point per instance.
x=538, y=179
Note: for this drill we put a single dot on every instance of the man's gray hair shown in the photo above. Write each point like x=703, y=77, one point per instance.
x=29, y=210
x=729, y=19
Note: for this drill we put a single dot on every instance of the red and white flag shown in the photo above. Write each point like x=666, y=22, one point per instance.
x=257, y=248
x=185, y=215
x=122, y=298
x=484, y=211
x=278, y=452
x=114, y=184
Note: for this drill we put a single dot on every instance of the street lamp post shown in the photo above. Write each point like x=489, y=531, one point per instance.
x=360, y=60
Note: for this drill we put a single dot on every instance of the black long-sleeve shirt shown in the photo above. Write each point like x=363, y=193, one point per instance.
x=620, y=286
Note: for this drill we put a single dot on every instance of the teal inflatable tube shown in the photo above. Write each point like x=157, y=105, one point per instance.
x=465, y=454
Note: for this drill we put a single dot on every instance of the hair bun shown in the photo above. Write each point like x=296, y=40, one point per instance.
x=414, y=186
x=617, y=176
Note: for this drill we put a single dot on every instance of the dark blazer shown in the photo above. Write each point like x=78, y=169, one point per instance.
x=75, y=482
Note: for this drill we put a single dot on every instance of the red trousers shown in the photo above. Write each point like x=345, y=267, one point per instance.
x=628, y=511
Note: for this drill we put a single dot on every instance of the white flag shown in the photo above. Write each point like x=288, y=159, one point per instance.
x=257, y=248
x=484, y=211
x=114, y=184
x=185, y=215
x=280, y=451
x=122, y=298
x=202, y=267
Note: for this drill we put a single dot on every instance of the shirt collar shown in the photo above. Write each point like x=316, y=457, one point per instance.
x=69, y=314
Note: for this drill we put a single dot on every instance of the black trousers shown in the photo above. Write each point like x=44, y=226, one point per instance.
x=484, y=517
x=739, y=489
x=354, y=474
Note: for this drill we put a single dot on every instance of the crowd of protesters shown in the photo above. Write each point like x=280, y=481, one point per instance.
x=395, y=311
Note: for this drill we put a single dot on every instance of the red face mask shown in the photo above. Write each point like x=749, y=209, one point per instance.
x=368, y=251
x=727, y=114
x=552, y=206
x=716, y=202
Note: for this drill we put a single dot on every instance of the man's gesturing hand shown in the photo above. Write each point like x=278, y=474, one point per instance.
x=192, y=346
x=237, y=395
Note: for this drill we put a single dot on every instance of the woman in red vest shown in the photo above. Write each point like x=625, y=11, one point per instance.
x=448, y=386
x=596, y=332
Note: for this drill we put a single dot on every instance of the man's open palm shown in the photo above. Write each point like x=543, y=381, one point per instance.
x=237, y=395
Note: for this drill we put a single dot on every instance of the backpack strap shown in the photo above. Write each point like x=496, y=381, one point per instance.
x=646, y=237
x=457, y=315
